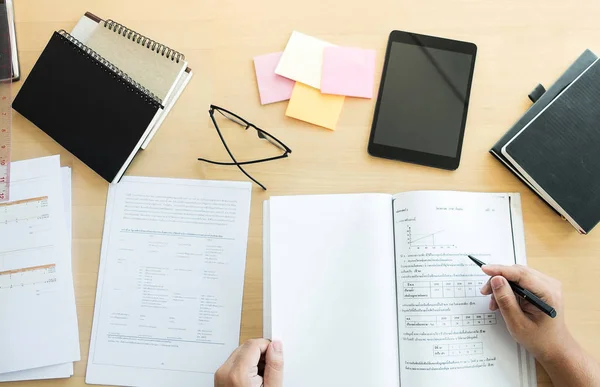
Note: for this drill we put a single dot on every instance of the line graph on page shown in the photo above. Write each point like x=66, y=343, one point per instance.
x=419, y=239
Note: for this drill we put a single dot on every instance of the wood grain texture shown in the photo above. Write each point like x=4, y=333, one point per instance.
x=520, y=44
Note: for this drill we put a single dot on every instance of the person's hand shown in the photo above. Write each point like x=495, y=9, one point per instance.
x=541, y=335
x=256, y=363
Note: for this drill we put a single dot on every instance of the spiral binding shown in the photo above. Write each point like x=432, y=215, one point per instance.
x=121, y=74
x=134, y=36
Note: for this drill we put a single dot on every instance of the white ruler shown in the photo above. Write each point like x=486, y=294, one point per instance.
x=5, y=141
x=6, y=73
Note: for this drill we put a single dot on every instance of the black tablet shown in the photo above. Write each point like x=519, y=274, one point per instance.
x=423, y=98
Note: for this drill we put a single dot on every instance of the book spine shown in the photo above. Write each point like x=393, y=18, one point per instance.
x=138, y=38
x=118, y=72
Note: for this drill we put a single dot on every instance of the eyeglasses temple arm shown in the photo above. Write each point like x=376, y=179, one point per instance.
x=243, y=162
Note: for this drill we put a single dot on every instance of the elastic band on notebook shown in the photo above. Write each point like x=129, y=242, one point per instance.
x=537, y=93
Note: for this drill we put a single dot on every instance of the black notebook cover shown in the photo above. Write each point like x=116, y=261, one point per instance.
x=582, y=63
x=85, y=106
x=560, y=149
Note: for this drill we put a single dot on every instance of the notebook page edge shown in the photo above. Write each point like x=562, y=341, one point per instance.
x=187, y=77
x=266, y=272
x=527, y=366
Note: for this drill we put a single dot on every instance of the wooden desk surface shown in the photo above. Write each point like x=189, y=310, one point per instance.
x=520, y=44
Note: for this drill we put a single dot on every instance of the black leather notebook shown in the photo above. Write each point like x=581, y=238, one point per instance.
x=540, y=102
x=558, y=151
x=88, y=106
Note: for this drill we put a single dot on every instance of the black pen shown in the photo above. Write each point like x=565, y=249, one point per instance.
x=526, y=294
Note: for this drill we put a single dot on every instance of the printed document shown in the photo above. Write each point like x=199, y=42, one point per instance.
x=39, y=324
x=60, y=370
x=169, y=297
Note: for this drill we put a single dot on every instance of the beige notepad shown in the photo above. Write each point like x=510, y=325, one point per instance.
x=160, y=74
x=153, y=70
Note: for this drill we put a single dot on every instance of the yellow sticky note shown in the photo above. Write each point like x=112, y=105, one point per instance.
x=308, y=104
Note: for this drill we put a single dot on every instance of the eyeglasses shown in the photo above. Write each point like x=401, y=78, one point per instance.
x=246, y=125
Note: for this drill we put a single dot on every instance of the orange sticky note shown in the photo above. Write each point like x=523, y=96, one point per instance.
x=308, y=104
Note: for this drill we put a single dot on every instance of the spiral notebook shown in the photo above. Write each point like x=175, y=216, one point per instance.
x=88, y=105
x=103, y=92
x=158, y=68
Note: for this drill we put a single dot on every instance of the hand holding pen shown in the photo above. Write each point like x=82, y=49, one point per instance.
x=546, y=338
x=524, y=293
x=528, y=324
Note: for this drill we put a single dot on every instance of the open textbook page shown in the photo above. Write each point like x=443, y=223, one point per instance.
x=169, y=298
x=329, y=262
x=446, y=331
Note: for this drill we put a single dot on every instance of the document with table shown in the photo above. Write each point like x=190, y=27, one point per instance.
x=39, y=335
x=169, y=298
x=59, y=371
x=381, y=285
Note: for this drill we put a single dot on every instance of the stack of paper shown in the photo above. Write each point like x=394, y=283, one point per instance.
x=315, y=76
x=39, y=338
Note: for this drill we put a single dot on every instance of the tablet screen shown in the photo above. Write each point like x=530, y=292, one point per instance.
x=422, y=104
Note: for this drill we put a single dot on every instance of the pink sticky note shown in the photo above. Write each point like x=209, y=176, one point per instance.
x=348, y=71
x=271, y=87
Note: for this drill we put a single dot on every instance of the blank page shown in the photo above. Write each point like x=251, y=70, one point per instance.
x=332, y=289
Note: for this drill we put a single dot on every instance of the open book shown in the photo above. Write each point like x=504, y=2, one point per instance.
x=377, y=290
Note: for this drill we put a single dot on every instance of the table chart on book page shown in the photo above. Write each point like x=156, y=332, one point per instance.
x=445, y=324
x=22, y=263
